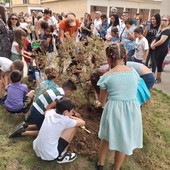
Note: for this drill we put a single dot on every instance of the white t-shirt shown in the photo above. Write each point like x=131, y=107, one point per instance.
x=140, y=46
x=97, y=23
x=46, y=143
x=23, y=25
x=5, y=64
x=13, y=48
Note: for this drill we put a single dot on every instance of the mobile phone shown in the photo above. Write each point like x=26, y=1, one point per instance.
x=148, y=25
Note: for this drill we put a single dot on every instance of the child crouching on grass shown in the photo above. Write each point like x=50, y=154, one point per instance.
x=56, y=133
x=6, y=66
x=18, y=99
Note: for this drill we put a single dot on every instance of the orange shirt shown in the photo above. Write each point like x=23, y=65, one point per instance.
x=63, y=25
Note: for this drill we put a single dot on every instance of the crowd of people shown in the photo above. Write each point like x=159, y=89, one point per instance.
x=132, y=47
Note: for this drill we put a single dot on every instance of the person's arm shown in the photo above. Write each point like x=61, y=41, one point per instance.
x=91, y=28
x=146, y=52
x=159, y=42
x=145, y=32
x=37, y=28
x=26, y=54
x=102, y=97
x=80, y=122
x=130, y=35
x=19, y=50
x=51, y=105
x=49, y=39
x=61, y=35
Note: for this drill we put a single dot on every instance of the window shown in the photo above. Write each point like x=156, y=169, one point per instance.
x=25, y=1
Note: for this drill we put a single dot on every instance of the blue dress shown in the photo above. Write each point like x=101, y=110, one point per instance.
x=121, y=121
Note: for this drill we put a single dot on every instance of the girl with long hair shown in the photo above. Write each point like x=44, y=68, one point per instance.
x=121, y=122
x=18, y=45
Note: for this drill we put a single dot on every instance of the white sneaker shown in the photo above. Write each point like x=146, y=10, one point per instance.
x=66, y=158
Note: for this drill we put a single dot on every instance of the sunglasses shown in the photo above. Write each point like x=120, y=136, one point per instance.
x=14, y=19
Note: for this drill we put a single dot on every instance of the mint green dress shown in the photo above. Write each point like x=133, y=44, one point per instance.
x=121, y=121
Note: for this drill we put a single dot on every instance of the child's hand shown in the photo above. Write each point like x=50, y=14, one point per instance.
x=76, y=114
x=97, y=104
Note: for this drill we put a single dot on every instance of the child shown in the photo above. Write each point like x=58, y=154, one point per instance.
x=48, y=30
x=36, y=72
x=121, y=122
x=59, y=128
x=17, y=95
x=144, y=72
x=17, y=48
x=115, y=34
x=142, y=47
x=51, y=74
x=27, y=47
x=6, y=66
x=103, y=27
x=40, y=106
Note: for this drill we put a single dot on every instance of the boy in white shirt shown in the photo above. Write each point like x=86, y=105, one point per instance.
x=6, y=66
x=56, y=133
x=142, y=47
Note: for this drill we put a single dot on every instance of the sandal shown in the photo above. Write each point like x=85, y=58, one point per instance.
x=158, y=81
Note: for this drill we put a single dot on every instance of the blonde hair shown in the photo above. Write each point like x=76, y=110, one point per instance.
x=167, y=27
x=116, y=51
x=51, y=72
x=18, y=33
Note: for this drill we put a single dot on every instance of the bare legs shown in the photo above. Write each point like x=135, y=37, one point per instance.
x=31, y=130
x=104, y=147
x=119, y=156
x=68, y=134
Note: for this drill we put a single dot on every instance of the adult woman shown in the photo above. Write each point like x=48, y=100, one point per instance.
x=114, y=22
x=87, y=26
x=127, y=37
x=13, y=21
x=5, y=40
x=121, y=121
x=150, y=32
x=160, y=44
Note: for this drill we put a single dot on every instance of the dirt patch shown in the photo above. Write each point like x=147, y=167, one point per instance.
x=84, y=143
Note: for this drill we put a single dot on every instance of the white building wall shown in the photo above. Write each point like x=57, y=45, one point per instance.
x=165, y=7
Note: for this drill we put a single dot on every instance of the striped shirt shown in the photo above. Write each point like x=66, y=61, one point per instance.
x=45, y=99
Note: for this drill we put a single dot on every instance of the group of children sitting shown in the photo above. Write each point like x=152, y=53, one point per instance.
x=51, y=115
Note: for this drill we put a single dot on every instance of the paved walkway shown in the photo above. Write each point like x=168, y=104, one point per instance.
x=164, y=86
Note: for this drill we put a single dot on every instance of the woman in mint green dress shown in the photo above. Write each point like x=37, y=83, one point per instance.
x=121, y=122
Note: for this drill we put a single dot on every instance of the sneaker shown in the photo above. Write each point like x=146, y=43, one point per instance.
x=24, y=124
x=17, y=132
x=66, y=158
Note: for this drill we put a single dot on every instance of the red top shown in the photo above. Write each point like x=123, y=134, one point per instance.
x=63, y=25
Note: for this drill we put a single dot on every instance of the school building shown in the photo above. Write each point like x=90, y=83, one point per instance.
x=145, y=8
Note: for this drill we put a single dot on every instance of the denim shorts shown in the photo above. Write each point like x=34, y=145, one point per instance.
x=149, y=79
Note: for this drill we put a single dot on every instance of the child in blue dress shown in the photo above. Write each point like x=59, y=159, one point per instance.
x=121, y=122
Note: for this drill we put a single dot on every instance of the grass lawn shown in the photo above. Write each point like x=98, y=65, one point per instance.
x=17, y=154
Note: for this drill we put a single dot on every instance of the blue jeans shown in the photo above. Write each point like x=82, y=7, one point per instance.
x=130, y=54
x=136, y=60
